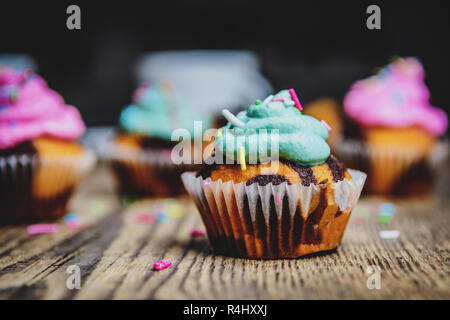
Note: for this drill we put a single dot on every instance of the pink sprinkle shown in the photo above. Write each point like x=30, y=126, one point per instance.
x=161, y=265
x=358, y=221
x=326, y=125
x=42, y=228
x=145, y=218
x=278, y=99
x=278, y=199
x=197, y=233
x=206, y=183
x=74, y=224
x=295, y=98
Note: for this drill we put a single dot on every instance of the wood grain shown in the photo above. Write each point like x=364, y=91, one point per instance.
x=116, y=254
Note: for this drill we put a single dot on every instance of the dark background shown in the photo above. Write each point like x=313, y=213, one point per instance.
x=317, y=47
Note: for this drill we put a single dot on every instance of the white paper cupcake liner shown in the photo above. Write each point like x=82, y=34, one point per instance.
x=33, y=186
x=274, y=221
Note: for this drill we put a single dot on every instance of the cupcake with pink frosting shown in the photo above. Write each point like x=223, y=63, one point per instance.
x=40, y=161
x=395, y=130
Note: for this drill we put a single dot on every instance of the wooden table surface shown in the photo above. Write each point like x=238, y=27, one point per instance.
x=115, y=254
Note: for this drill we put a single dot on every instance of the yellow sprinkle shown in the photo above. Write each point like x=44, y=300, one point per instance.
x=219, y=133
x=242, y=158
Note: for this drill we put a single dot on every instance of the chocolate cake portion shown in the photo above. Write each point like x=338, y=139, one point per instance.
x=304, y=172
x=265, y=179
x=337, y=168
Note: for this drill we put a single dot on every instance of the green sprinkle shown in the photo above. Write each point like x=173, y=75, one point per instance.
x=257, y=102
x=384, y=219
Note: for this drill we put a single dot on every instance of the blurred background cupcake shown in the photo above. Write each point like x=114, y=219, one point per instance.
x=141, y=154
x=40, y=161
x=392, y=131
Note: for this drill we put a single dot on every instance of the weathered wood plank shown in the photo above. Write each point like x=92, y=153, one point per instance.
x=115, y=254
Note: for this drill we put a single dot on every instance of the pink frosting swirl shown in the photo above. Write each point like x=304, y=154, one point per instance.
x=29, y=109
x=395, y=97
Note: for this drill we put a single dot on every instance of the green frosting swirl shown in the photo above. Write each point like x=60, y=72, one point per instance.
x=156, y=112
x=302, y=138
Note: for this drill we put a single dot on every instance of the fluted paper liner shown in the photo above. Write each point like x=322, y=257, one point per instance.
x=393, y=170
x=274, y=221
x=146, y=172
x=39, y=186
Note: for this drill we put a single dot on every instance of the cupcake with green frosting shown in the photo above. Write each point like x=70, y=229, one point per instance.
x=272, y=189
x=141, y=153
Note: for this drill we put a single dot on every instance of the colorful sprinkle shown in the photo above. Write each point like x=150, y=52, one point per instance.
x=258, y=102
x=42, y=228
x=242, y=158
x=389, y=234
x=74, y=224
x=197, y=233
x=384, y=219
x=358, y=221
x=145, y=218
x=278, y=99
x=326, y=125
x=206, y=183
x=176, y=211
x=161, y=265
x=278, y=199
x=97, y=208
x=295, y=98
x=232, y=118
x=388, y=207
x=220, y=133
x=161, y=217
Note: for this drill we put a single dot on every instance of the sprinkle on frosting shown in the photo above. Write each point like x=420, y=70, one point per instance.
x=395, y=97
x=326, y=125
x=301, y=138
x=295, y=99
x=29, y=109
x=232, y=118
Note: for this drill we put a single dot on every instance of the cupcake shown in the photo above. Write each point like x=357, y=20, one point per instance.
x=141, y=153
x=293, y=200
x=395, y=130
x=40, y=161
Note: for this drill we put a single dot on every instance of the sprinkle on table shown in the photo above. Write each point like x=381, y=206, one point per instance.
x=197, y=233
x=232, y=118
x=161, y=265
x=389, y=234
x=146, y=218
x=42, y=228
x=326, y=125
x=242, y=158
x=295, y=99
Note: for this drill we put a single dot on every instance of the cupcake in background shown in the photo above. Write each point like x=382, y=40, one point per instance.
x=40, y=161
x=141, y=153
x=327, y=109
x=395, y=130
x=256, y=205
